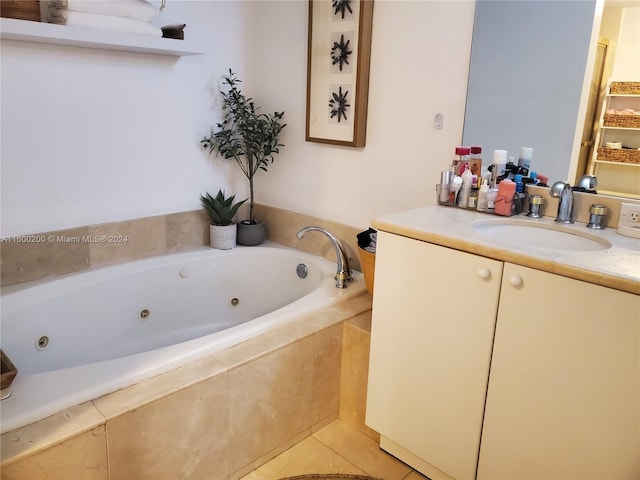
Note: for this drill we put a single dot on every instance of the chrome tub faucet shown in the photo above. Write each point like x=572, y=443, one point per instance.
x=343, y=273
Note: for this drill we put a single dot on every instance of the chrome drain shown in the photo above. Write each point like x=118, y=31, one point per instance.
x=144, y=314
x=302, y=270
x=234, y=302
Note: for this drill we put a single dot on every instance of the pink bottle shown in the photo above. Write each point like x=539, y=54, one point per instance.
x=506, y=191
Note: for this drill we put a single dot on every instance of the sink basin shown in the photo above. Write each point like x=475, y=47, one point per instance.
x=540, y=235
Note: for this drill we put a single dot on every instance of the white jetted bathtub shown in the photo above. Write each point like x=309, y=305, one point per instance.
x=80, y=336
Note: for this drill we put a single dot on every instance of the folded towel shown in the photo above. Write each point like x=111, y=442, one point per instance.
x=102, y=22
x=133, y=9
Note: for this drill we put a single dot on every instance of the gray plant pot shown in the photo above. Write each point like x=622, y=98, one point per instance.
x=251, y=234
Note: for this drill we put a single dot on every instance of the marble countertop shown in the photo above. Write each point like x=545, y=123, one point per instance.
x=616, y=267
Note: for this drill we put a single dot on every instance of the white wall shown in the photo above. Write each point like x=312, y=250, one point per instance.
x=90, y=136
x=419, y=66
x=627, y=64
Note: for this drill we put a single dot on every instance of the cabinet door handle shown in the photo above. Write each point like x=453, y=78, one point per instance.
x=484, y=273
x=515, y=281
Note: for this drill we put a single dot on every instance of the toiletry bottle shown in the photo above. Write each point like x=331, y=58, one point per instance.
x=454, y=191
x=498, y=166
x=492, y=195
x=445, y=181
x=526, y=154
x=472, y=203
x=461, y=159
x=463, y=197
x=482, y=197
x=504, y=199
x=475, y=160
x=519, y=184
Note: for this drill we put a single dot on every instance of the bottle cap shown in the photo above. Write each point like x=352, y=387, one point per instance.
x=526, y=153
x=499, y=156
x=463, y=150
x=476, y=149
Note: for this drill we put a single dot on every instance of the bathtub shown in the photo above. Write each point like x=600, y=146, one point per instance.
x=78, y=337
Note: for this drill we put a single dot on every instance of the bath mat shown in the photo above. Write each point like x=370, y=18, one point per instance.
x=329, y=476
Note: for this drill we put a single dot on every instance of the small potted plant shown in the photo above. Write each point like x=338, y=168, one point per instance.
x=251, y=139
x=221, y=209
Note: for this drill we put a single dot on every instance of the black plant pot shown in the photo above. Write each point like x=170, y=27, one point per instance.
x=251, y=234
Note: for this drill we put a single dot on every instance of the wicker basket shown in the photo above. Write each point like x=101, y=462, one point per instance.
x=620, y=155
x=20, y=9
x=625, y=88
x=627, y=121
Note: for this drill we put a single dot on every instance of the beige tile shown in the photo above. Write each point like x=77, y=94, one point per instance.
x=307, y=457
x=355, y=372
x=186, y=230
x=258, y=462
x=33, y=257
x=181, y=436
x=362, y=321
x=327, y=361
x=81, y=458
x=581, y=204
x=38, y=436
x=283, y=225
x=361, y=450
x=130, y=398
x=415, y=476
x=129, y=240
x=269, y=402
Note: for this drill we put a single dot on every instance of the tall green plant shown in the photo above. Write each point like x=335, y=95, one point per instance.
x=246, y=136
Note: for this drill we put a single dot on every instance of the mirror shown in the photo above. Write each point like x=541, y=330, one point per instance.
x=526, y=79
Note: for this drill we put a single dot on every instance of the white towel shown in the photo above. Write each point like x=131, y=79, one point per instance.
x=133, y=9
x=103, y=22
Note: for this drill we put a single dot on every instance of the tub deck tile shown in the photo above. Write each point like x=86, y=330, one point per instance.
x=36, y=437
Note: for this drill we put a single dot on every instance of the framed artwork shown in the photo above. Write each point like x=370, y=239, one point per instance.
x=338, y=58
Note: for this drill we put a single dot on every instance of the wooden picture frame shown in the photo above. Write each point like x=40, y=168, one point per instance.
x=338, y=59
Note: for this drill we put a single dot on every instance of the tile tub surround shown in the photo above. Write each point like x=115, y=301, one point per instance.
x=217, y=418
x=73, y=250
x=67, y=251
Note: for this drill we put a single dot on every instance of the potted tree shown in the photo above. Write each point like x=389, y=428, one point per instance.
x=251, y=139
x=221, y=209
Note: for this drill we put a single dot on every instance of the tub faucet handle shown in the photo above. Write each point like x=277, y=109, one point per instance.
x=343, y=263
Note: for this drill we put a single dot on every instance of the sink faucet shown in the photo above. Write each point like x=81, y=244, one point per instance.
x=563, y=191
x=343, y=273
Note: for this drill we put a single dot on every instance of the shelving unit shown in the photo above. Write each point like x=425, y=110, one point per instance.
x=51, y=34
x=613, y=166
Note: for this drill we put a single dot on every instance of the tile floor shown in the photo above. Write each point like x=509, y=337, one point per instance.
x=336, y=448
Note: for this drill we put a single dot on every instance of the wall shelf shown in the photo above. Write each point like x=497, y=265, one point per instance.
x=52, y=34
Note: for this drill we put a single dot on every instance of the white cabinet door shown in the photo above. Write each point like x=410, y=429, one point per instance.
x=563, y=399
x=434, y=313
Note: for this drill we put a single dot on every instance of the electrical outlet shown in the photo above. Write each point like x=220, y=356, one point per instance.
x=629, y=222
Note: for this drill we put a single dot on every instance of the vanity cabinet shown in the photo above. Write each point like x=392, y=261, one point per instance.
x=563, y=399
x=434, y=313
x=556, y=395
